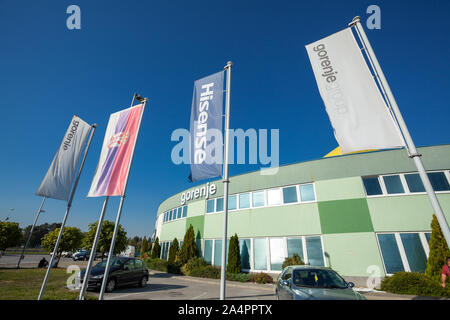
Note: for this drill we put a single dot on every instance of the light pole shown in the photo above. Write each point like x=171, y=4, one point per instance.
x=10, y=211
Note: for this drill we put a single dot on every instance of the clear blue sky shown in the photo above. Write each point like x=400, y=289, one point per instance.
x=158, y=48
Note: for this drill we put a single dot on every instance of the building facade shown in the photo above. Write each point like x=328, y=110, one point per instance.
x=364, y=215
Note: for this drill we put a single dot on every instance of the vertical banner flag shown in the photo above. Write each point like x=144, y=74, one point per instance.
x=117, y=149
x=58, y=181
x=206, y=123
x=359, y=115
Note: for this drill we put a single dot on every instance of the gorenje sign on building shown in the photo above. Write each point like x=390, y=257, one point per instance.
x=196, y=193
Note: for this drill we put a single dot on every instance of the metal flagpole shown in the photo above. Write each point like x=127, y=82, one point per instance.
x=225, y=182
x=408, y=139
x=31, y=231
x=93, y=251
x=119, y=212
x=69, y=205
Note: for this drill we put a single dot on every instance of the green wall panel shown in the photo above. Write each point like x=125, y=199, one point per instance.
x=343, y=216
x=198, y=223
x=352, y=253
x=340, y=189
x=172, y=230
x=196, y=208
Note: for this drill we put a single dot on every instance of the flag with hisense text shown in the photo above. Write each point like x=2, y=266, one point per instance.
x=117, y=150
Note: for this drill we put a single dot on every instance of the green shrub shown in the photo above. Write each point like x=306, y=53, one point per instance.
x=438, y=251
x=261, y=278
x=241, y=277
x=162, y=265
x=206, y=271
x=234, y=256
x=293, y=261
x=193, y=263
x=414, y=283
x=156, y=251
x=173, y=250
x=188, y=248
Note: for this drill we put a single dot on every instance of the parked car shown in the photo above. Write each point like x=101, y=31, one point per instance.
x=124, y=271
x=67, y=254
x=314, y=283
x=81, y=255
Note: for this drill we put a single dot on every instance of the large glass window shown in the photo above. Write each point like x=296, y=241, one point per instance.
x=307, y=192
x=274, y=197
x=207, y=254
x=415, y=254
x=219, y=204
x=414, y=182
x=372, y=186
x=428, y=236
x=218, y=253
x=210, y=205
x=438, y=181
x=314, y=249
x=258, y=199
x=179, y=213
x=232, y=202
x=244, y=200
x=198, y=242
x=390, y=253
x=295, y=245
x=276, y=253
x=393, y=184
x=185, y=211
x=244, y=248
x=290, y=194
x=259, y=254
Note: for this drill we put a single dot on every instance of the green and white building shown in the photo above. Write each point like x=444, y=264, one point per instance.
x=364, y=214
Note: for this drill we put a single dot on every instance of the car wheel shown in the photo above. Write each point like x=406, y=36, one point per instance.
x=110, y=286
x=143, y=282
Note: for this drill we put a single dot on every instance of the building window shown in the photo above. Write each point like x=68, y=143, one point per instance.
x=244, y=248
x=244, y=200
x=415, y=254
x=232, y=202
x=393, y=184
x=290, y=194
x=259, y=253
x=210, y=206
x=414, y=182
x=372, y=186
x=258, y=199
x=219, y=204
x=314, y=250
x=307, y=192
x=217, y=253
x=295, y=245
x=427, y=236
x=274, y=197
x=276, y=253
x=391, y=254
x=185, y=211
x=207, y=254
x=179, y=213
x=439, y=181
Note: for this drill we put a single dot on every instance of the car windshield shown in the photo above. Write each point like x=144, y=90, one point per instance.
x=318, y=278
x=114, y=262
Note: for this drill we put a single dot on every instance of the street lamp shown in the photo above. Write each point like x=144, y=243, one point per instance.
x=10, y=211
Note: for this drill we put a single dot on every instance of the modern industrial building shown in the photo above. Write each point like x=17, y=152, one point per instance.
x=364, y=214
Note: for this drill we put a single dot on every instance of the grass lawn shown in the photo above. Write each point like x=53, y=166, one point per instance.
x=25, y=284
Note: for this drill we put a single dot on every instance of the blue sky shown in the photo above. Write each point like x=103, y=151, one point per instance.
x=158, y=48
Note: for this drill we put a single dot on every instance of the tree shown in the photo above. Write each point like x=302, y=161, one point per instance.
x=106, y=234
x=38, y=233
x=10, y=234
x=188, y=248
x=144, y=247
x=173, y=250
x=156, y=251
x=70, y=241
x=438, y=251
x=295, y=260
x=234, y=256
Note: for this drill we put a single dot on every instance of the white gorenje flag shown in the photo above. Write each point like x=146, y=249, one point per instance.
x=359, y=115
x=58, y=180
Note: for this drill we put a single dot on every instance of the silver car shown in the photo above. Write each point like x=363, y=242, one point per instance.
x=314, y=283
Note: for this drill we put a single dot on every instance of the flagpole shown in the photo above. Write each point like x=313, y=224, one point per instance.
x=31, y=231
x=69, y=205
x=93, y=250
x=225, y=182
x=408, y=139
x=119, y=212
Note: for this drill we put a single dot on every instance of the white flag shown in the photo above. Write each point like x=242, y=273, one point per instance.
x=359, y=115
x=58, y=180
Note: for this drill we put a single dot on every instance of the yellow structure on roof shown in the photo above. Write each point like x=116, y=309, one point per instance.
x=338, y=152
